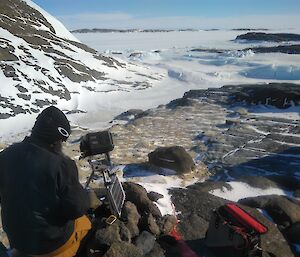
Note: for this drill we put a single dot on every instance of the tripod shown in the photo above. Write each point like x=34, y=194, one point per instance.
x=114, y=189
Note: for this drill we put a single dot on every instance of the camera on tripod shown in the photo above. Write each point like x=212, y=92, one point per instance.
x=97, y=143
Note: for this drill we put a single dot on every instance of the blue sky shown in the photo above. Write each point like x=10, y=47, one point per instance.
x=173, y=13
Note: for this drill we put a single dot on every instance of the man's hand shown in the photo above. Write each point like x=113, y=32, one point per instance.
x=94, y=200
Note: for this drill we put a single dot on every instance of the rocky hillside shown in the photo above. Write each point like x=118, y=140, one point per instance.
x=41, y=63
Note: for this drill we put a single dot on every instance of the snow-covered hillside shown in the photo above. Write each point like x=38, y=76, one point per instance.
x=41, y=64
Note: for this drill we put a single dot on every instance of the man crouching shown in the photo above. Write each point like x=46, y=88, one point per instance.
x=43, y=203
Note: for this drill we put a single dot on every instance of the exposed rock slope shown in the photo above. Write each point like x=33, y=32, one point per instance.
x=42, y=64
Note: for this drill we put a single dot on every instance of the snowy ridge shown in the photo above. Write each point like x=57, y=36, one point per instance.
x=38, y=68
x=59, y=28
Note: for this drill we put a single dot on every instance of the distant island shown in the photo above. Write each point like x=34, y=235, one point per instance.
x=96, y=30
x=248, y=29
x=127, y=30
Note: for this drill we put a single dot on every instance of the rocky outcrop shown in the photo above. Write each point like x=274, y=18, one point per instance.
x=136, y=233
x=278, y=95
x=284, y=212
x=285, y=49
x=195, y=207
x=272, y=37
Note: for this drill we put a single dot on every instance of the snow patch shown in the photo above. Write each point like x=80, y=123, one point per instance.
x=162, y=184
x=242, y=190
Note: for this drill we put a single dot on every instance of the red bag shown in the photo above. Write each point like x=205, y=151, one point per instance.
x=245, y=219
x=231, y=229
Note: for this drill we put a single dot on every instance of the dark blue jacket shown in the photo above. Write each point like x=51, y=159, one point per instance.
x=40, y=197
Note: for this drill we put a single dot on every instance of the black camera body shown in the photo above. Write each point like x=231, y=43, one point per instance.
x=102, y=143
x=96, y=143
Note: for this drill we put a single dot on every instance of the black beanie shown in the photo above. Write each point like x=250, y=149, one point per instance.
x=51, y=125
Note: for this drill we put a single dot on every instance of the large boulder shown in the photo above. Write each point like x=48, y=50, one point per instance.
x=195, y=208
x=283, y=211
x=138, y=195
x=174, y=158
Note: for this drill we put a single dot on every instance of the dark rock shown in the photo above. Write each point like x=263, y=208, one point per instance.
x=21, y=89
x=136, y=54
x=130, y=114
x=180, y=102
x=175, y=158
x=194, y=229
x=232, y=122
x=6, y=55
x=286, y=49
x=145, y=242
x=132, y=217
x=284, y=182
x=108, y=235
x=297, y=193
x=210, y=185
x=168, y=223
x=123, y=249
x=250, y=29
x=189, y=200
x=279, y=95
x=24, y=96
x=157, y=251
x=75, y=111
x=283, y=211
x=149, y=223
x=125, y=233
x=154, y=196
x=293, y=233
x=271, y=37
x=138, y=195
x=259, y=182
x=214, y=51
